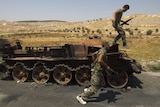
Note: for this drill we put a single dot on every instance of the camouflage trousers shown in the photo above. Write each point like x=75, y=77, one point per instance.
x=97, y=81
x=121, y=33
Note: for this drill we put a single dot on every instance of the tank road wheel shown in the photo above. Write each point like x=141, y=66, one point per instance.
x=118, y=80
x=62, y=75
x=83, y=76
x=19, y=73
x=40, y=75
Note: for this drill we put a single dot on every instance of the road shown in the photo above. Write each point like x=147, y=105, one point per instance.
x=145, y=92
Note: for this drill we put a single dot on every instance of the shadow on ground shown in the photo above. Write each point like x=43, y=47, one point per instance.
x=112, y=95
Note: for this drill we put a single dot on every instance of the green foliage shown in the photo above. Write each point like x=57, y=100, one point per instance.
x=1, y=36
x=85, y=35
x=129, y=31
x=149, y=32
x=155, y=67
x=66, y=30
x=99, y=31
x=156, y=30
x=136, y=29
x=88, y=30
x=139, y=33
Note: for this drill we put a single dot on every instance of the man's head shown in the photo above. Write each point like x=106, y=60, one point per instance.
x=105, y=45
x=125, y=8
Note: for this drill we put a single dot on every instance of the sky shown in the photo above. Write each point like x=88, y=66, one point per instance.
x=72, y=10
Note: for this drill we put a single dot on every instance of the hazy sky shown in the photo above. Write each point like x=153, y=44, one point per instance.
x=72, y=10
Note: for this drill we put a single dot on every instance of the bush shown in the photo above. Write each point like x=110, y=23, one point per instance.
x=156, y=30
x=136, y=29
x=155, y=67
x=99, y=31
x=129, y=31
x=149, y=32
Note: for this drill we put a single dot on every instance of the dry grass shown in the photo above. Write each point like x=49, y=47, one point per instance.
x=43, y=41
x=144, y=48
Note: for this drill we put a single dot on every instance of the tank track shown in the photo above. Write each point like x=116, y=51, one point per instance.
x=40, y=73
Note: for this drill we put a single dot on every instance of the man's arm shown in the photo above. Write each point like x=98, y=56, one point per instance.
x=102, y=63
x=94, y=55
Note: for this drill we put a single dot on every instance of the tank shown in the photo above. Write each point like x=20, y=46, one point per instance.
x=65, y=63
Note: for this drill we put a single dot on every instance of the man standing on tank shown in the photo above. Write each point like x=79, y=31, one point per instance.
x=118, y=27
x=97, y=78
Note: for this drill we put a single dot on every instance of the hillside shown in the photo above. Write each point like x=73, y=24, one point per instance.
x=141, y=23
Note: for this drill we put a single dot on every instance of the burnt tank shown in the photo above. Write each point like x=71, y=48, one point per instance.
x=62, y=63
x=65, y=63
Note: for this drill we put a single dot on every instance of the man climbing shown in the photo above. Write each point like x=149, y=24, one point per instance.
x=118, y=27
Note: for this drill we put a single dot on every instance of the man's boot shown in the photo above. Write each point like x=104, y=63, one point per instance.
x=125, y=45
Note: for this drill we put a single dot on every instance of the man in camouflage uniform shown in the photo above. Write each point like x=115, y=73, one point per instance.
x=118, y=27
x=97, y=79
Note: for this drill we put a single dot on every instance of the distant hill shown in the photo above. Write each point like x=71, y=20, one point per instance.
x=32, y=21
